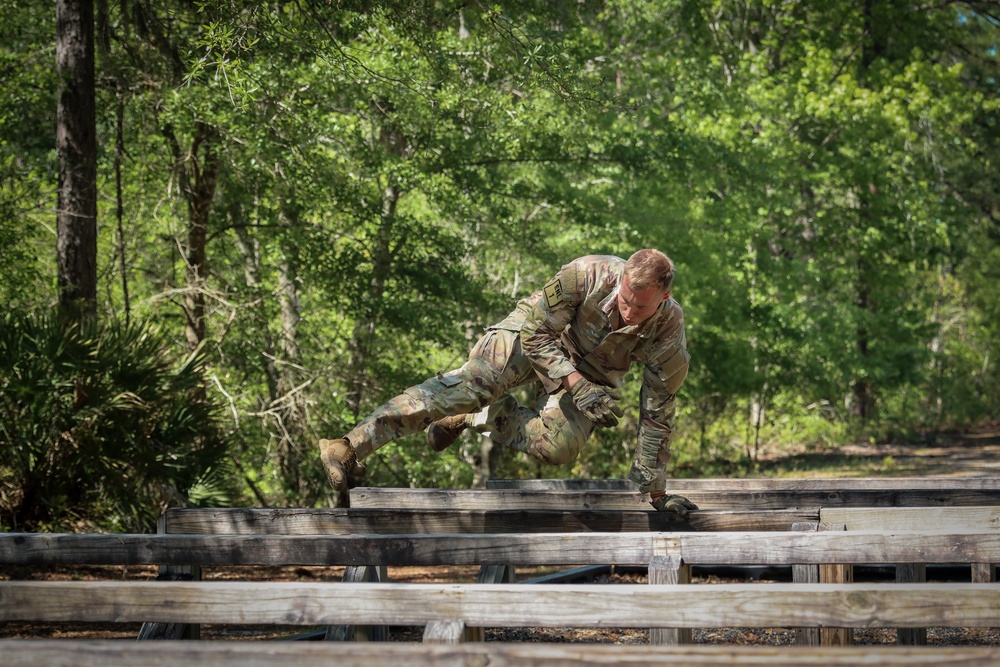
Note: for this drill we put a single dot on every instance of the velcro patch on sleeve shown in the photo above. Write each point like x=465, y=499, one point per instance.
x=553, y=293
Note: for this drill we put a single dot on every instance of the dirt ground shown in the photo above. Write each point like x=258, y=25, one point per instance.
x=969, y=454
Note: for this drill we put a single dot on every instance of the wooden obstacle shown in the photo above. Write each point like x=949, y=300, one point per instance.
x=496, y=531
x=506, y=605
x=103, y=653
x=707, y=498
x=632, y=549
x=430, y=520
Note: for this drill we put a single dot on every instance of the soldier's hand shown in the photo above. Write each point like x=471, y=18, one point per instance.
x=596, y=402
x=677, y=504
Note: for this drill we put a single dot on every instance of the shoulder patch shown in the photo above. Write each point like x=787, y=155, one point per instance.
x=553, y=293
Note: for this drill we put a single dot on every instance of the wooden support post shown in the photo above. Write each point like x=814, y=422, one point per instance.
x=671, y=570
x=840, y=573
x=496, y=574
x=806, y=574
x=172, y=573
x=984, y=573
x=357, y=574
x=911, y=573
x=489, y=574
x=451, y=632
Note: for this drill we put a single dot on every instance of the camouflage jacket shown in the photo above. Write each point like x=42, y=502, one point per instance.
x=572, y=324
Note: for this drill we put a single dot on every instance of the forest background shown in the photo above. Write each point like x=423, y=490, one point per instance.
x=265, y=219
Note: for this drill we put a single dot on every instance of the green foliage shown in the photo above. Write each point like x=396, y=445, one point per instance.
x=393, y=176
x=101, y=422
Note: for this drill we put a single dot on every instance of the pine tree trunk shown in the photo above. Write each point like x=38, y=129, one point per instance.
x=76, y=146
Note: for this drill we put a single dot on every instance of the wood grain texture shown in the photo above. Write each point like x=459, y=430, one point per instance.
x=394, y=521
x=705, y=498
x=103, y=653
x=507, y=605
x=769, y=484
x=725, y=548
x=910, y=518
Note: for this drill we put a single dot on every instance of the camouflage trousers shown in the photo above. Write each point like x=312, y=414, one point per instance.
x=553, y=433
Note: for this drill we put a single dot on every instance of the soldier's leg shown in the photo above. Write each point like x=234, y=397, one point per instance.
x=555, y=434
x=494, y=365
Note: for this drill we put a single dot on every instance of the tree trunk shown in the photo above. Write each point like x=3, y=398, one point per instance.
x=76, y=146
x=251, y=273
x=292, y=448
x=382, y=254
x=364, y=328
x=198, y=172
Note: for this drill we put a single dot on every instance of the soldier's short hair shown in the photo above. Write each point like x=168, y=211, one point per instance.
x=649, y=268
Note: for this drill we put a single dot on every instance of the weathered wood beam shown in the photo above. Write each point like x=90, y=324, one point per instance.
x=768, y=484
x=410, y=521
x=506, y=605
x=706, y=499
x=915, y=518
x=105, y=653
x=525, y=549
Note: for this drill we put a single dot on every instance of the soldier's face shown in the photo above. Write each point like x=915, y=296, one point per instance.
x=637, y=306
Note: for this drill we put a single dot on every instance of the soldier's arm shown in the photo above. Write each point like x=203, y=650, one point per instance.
x=661, y=380
x=540, y=335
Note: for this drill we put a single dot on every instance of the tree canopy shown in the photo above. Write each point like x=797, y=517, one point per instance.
x=312, y=205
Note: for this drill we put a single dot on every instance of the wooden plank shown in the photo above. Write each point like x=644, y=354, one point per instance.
x=343, y=521
x=669, y=570
x=911, y=573
x=106, y=653
x=983, y=573
x=806, y=573
x=743, y=484
x=348, y=632
x=170, y=572
x=506, y=605
x=444, y=632
x=563, y=484
x=835, y=573
x=725, y=548
x=909, y=518
x=708, y=499
x=736, y=548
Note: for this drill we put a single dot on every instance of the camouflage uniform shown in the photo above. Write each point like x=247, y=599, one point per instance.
x=570, y=325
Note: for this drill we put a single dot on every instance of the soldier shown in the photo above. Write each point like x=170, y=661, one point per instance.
x=576, y=338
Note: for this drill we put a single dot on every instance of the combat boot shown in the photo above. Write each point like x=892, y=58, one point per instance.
x=339, y=458
x=444, y=432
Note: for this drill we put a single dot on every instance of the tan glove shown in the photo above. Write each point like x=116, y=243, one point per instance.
x=596, y=402
x=677, y=504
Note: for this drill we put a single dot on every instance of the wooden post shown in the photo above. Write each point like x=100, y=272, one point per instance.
x=356, y=574
x=671, y=570
x=836, y=574
x=172, y=573
x=806, y=574
x=447, y=632
x=983, y=573
x=911, y=573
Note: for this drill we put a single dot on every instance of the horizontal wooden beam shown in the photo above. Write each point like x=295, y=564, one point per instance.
x=910, y=518
x=765, y=484
x=525, y=549
x=706, y=499
x=104, y=653
x=383, y=521
x=507, y=605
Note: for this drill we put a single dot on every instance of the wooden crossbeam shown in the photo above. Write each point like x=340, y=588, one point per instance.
x=726, y=548
x=506, y=605
x=104, y=653
x=933, y=484
x=442, y=520
x=911, y=518
x=706, y=499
